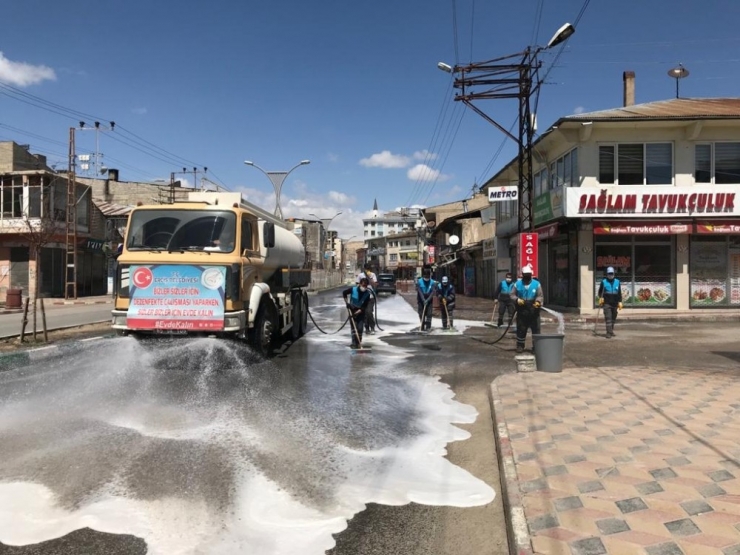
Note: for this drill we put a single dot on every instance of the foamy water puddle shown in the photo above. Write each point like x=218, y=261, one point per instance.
x=197, y=448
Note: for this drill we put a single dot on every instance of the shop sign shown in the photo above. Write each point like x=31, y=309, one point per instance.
x=651, y=201
x=641, y=228
x=489, y=248
x=528, y=251
x=548, y=231
x=94, y=244
x=542, y=208
x=430, y=254
x=708, y=226
x=503, y=193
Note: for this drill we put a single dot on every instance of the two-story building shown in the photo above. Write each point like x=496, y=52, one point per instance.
x=649, y=189
x=34, y=213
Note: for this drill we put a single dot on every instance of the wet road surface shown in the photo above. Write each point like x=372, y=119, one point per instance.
x=196, y=446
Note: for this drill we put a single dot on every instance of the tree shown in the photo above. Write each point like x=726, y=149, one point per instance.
x=40, y=225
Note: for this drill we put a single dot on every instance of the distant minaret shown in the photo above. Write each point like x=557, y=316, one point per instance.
x=375, y=209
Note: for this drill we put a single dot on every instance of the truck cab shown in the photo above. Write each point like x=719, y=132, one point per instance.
x=213, y=265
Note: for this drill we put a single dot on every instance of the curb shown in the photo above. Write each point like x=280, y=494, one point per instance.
x=520, y=542
x=19, y=359
x=58, y=328
x=60, y=303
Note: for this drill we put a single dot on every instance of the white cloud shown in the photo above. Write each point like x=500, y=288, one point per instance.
x=332, y=157
x=301, y=203
x=579, y=110
x=422, y=172
x=385, y=159
x=138, y=111
x=424, y=155
x=22, y=74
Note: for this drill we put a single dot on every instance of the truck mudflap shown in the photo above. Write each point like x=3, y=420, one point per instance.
x=233, y=322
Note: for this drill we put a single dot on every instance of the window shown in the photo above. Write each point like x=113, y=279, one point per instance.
x=372, y=234
x=394, y=257
x=246, y=235
x=380, y=233
x=717, y=162
x=574, y=175
x=567, y=169
x=636, y=164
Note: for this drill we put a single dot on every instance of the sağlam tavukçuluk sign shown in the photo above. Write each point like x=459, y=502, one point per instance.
x=652, y=202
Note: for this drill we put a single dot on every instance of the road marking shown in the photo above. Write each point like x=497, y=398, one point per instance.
x=92, y=338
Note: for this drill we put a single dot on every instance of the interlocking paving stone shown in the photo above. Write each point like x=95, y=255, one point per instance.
x=696, y=507
x=592, y=447
x=623, y=459
x=557, y=470
x=683, y=527
x=568, y=503
x=533, y=485
x=732, y=550
x=720, y=475
x=570, y=459
x=620, y=431
x=543, y=522
x=527, y=456
x=677, y=461
x=631, y=505
x=562, y=437
x=610, y=471
x=612, y=526
x=639, y=449
x=711, y=490
x=593, y=485
x=588, y=546
x=649, y=487
x=665, y=432
x=669, y=548
x=663, y=473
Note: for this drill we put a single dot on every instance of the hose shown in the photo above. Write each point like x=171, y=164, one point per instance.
x=511, y=320
x=319, y=327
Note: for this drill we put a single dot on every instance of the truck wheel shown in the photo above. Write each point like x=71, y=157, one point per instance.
x=295, y=331
x=304, y=314
x=260, y=336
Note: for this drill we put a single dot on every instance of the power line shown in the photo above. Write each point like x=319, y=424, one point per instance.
x=446, y=155
x=537, y=21
x=454, y=31
x=472, y=30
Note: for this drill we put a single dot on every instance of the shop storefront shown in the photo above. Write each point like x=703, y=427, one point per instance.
x=671, y=249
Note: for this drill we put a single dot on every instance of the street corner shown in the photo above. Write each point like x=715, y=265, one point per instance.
x=620, y=460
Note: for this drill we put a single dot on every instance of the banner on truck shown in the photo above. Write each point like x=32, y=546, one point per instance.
x=177, y=297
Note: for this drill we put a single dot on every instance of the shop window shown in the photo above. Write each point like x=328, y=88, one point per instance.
x=645, y=266
x=717, y=163
x=636, y=164
x=714, y=269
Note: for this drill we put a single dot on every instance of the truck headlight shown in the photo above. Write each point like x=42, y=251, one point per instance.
x=232, y=322
x=119, y=320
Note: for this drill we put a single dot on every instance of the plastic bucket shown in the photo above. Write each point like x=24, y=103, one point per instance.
x=13, y=298
x=548, y=352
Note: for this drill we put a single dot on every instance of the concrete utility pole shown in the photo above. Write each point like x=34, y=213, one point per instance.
x=185, y=171
x=71, y=223
x=97, y=128
x=514, y=77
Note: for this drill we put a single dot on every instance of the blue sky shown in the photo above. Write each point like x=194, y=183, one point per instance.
x=352, y=86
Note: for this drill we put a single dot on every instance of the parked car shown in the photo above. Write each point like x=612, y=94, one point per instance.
x=386, y=283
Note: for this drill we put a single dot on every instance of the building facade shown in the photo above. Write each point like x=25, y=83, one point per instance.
x=649, y=189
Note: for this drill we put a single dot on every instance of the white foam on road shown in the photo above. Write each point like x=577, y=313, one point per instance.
x=229, y=456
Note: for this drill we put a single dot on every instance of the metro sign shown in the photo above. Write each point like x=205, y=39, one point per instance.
x=528, y=244
x=500, y=194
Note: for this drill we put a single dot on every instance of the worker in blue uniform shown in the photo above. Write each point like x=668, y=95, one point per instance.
x=446, y=296
x=425, y=289
x=357, y=299
x=610, y=299
x=528, y=296
x=503, y=295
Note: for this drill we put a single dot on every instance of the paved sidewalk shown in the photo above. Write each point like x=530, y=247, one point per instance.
x=630, y=460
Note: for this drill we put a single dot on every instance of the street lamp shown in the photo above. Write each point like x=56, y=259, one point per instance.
x=515, y=76
x=325, y=223
x=277, y=179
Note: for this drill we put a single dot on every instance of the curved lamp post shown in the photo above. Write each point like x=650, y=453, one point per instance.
x=277, y=179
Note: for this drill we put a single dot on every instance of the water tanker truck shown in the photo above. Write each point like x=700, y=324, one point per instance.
x=214, y=265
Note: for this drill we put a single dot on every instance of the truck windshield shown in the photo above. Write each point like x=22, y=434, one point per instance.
x=182, y=230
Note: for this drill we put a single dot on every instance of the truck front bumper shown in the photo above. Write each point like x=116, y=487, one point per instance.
x=233, y=322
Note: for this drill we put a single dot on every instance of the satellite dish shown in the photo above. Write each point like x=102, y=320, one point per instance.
x=678, y=73
x=454, y=240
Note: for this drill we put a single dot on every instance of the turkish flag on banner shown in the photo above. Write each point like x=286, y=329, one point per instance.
x=528, y=251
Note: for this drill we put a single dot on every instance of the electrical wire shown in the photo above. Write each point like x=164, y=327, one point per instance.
x=454, y=32
x=447, y=153
x=472, y=30
x=537, y=21
x=498, y=152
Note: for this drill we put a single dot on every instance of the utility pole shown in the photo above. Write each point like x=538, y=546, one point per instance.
x=185, y=171
x=71, y=223
x=97, y=128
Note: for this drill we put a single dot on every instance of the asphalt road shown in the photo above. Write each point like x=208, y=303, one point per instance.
x=57, y=316
x=196, y=446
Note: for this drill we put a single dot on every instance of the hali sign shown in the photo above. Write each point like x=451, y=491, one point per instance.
x=505, y=192
x=528, y=251
x=651, y=201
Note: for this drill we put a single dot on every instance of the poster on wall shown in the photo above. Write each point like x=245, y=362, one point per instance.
x=734, y=276
x=708, y=274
